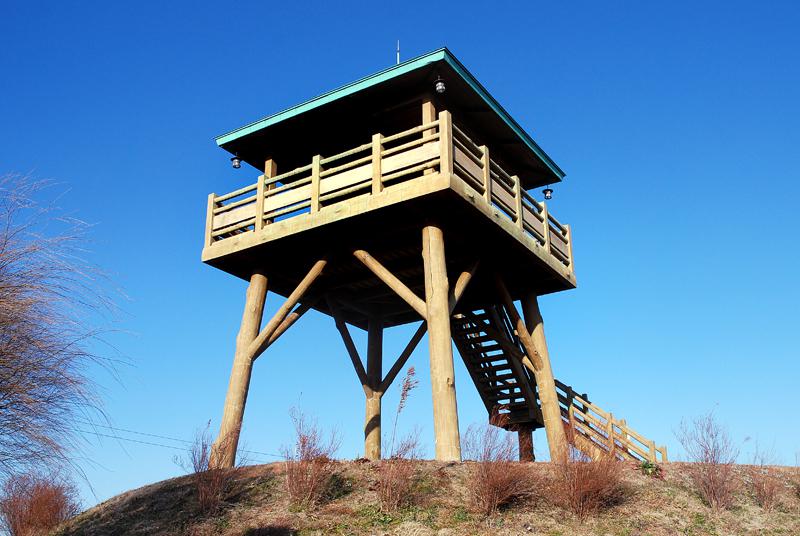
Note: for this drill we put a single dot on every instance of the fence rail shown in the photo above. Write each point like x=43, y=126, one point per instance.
x=437, y=146
x=602, y=431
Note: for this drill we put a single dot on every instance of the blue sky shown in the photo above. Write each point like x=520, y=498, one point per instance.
x=677, y=125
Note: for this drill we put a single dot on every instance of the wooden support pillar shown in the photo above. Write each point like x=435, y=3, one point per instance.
x=445, y=410
x=428, y=116
x=223, y=452
x=551, y=410
x=372, y=422
x=525, y=438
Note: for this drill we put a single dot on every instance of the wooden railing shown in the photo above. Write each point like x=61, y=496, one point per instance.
x=472, y=164
x=602, y=431
x=438, y=146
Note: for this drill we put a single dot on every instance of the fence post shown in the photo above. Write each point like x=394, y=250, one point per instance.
x=569, y=248
x=377, y=173
x=518, y=199
x=315, y=171
x=546, y=229
x=487, y=175
x=446, y=143
x=270, y=171
x=212, y=204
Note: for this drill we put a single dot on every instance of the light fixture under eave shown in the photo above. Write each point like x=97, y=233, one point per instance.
x=439, y=85
x=548, y=193
x=236, y=162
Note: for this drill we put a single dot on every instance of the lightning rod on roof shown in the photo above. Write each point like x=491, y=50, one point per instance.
x=398, y=52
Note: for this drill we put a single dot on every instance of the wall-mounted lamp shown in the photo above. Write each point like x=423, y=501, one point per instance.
x=548, y=193
x=236, y=162
x=439, y=85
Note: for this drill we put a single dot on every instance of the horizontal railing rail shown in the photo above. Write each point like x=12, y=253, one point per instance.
x=367, y=169
x=603, y=431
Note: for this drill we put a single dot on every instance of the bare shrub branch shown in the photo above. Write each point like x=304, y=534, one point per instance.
x=33, y=505
x=211, y=484
x=309, y=465
x=495, y=479
x=48, y=298
x=584, y=485
x=764, y=483
x=713, y=455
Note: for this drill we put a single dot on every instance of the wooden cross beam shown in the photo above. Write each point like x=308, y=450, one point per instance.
x=519, y=325
x=287, y=322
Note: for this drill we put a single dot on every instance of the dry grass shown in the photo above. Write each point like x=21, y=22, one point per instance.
x=33, y=505
x=764, y=483
x=397, y=474
x=713, y=456
x=259, y=504
x=46, y=296
x=495, y=479
x=585, y=486
x=211, y=484
x=309, y=465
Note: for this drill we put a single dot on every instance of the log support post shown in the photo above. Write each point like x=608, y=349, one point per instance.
x=525, y=438
x=223, y=453
x=551, y=410
x=445, y=411
x=372, y=421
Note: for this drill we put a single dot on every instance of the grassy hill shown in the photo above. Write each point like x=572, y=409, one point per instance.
x=256, y=504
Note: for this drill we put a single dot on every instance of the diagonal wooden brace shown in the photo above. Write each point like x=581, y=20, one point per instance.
x=382, y=273
x=263, y=340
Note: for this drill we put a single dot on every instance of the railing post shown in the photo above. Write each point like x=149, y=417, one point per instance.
x=569, y=248
x=518, y=199
x=663, y=454
x=377, y=174
x=315, y=171
x=212, y=204
x=487, y=174
x=653, y=451
x=610, y=431
x=546, y=229
x=446, y=143
x=270, y=170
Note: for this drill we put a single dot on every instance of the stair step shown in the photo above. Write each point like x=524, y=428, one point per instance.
x=498, y=377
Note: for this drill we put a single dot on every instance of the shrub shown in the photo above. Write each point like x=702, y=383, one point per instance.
x=712, y=453
x=496, y=479
x=652, y=469
x=396, y=475
x=211, y=484
x=309, y=465
x=585, y=485
x=33, y=505
x=764, y=483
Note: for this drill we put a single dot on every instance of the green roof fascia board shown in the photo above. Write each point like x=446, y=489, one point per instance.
x=442, y=54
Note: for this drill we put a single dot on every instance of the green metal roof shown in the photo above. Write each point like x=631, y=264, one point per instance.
x=443, y=54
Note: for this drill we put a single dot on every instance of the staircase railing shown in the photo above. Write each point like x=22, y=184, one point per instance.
x=603, y=431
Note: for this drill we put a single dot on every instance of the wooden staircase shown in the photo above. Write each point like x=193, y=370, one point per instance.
x=493, y=355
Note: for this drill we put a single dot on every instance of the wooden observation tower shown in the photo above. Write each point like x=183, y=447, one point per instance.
x=404, y=197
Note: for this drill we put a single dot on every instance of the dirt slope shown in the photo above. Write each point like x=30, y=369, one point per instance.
x=258, y=506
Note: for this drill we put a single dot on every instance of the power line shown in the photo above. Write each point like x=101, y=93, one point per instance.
x=146, y=434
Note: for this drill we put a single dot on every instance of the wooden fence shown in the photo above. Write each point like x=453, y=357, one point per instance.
x=597, y=428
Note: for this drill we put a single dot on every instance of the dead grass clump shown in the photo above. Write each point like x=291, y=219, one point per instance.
x=764, y=483
x=713, y=455
x=211, y=484
x=33, y=505
x=584, y=485
x=310, y=467
x=397, y=474
x=496, y=479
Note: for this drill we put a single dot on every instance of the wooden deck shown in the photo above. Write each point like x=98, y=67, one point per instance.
x=370, y=195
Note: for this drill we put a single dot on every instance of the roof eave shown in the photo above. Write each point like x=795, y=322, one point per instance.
x=442, y=54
